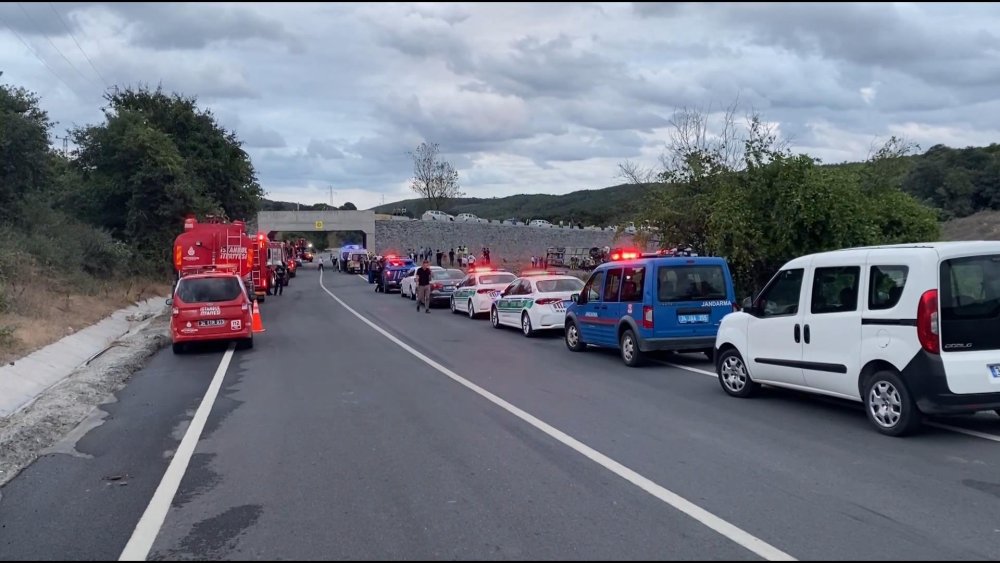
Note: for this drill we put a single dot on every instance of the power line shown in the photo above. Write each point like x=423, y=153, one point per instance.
x=41, y=60
x=54, y=46
x=85, y=55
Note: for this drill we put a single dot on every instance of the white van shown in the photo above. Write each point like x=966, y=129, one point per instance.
x=905, y=329
x=435, y=215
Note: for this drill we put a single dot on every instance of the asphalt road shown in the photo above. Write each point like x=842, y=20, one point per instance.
x=331, y=441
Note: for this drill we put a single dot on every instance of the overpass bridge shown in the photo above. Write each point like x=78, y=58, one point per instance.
x=326, y=221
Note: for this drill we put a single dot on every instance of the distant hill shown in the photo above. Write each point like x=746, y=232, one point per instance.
x=957, y=182
x=603, y=207
x=984, y=225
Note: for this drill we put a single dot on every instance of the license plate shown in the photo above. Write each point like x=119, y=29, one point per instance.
x=213, y=322
x=692, y=319
x=995, y=372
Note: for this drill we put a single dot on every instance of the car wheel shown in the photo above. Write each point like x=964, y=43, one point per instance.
x=631, y=355
x=734, y=375
x=413, y=296
x=471, y=309
x=452, y=303
x=526, y=325
x=401, y=294
x=494, y=317
x=178, y=348
x=573, y=340
x=889, y=405
x=260, y=299
x=245, y=344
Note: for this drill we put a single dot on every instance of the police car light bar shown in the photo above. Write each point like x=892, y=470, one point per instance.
x=624, y=255
x=676, y=252
x=528, y=273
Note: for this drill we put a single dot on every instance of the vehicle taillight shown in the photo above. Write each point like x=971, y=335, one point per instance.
x=484, y=291
x=927, y=322
x=175, y=311
x=647, y=317
x=436, y=285
x=548, y=301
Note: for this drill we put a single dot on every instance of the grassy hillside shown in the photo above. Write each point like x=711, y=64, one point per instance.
x=603, y=207
x=984, y=225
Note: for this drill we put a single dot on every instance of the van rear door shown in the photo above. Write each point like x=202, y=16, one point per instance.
x=691, y=297
x=969, y=309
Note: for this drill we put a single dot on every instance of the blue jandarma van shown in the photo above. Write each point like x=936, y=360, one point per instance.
x=638, y=303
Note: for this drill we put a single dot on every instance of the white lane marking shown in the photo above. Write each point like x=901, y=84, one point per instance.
x=688, y=368
x=948, y=427
x=138, y=546
x=363, y=277
x=966, y=431
x=730, y=531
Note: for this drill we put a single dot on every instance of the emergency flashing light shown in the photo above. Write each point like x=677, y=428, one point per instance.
x=624, y=255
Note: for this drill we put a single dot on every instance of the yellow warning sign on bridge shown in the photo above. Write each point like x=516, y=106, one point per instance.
x=319, y=225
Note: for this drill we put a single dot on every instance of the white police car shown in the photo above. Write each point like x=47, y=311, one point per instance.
x=535, y=302
x=476, y=293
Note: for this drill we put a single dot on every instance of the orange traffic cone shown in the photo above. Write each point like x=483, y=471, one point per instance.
x=258, y=326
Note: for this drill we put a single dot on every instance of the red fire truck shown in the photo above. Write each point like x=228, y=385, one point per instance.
x=216, y=243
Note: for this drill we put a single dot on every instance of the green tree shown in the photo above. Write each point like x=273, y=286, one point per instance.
x=26, y=160
x=759, y=205
x=213, y=157
x=135, y=184
x=349, y=207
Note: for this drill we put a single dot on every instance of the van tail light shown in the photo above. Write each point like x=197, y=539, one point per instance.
x=175, y=311
x=548, y=301
x=484, y=291
x=647, y=316
x=927, y=322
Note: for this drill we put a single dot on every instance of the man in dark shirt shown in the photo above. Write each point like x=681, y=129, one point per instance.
x=440, y=256
x=424, y=287
x=451, y=257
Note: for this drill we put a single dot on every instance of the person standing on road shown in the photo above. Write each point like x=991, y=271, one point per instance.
x=281, y=279
x=424, y=287
x=320, y=264
x=440, y=256
x=451, y=257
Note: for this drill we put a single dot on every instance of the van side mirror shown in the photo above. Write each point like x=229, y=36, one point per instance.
x=170, y=301
x=748, y=305
x=575, y=297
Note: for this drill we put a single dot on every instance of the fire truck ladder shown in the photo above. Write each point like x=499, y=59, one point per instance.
x=257, y=261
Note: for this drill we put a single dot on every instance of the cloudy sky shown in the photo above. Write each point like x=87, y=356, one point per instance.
x=522, y=98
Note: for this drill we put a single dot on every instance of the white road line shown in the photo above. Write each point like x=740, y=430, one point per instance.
x=966, y=431
x=152, y=519
x=688, y=368
x=730, y=531
x=958, y=429
x=363, y=277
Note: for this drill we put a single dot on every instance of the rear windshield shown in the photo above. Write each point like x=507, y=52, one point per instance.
x=442, y=275
x=970, y=304
x=456, y=274
x=554, y=286
x=208, y=290
x=496, y=279
x=691, y=283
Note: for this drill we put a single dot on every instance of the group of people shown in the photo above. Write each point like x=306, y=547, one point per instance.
x=464, y=258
